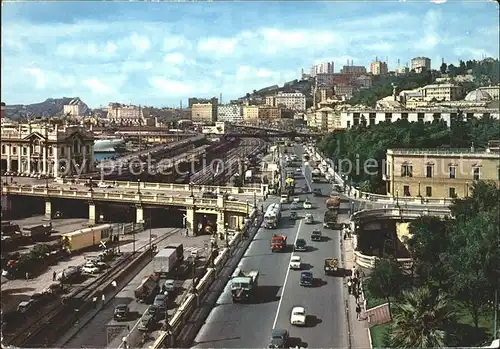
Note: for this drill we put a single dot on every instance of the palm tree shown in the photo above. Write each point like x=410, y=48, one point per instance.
x=421, y=320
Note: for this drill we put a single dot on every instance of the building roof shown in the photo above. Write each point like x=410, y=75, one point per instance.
x=478, y=96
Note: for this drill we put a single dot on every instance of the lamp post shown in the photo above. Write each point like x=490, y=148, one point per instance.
x=254, y=201
x=191, y=185
x=138, y=186
x=419, y=195
x=466, y=189
x=91, y=184
x=247, y=210
x=397, y=198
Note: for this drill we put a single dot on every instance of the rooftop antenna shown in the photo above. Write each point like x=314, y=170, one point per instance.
x=376, y=59
x=399, y=61
x=220, y=98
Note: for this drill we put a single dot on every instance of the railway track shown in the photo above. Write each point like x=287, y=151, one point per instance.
x=232, y=162
x=66, y=310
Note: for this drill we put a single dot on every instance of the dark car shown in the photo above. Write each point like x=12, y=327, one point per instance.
x=300, y=245
x=154, y=311
x=160, y=302
x=209, y=195
x=121, y=312
x=316, y=235
x=279, y=338
x=146, y=322
x=317, y=192
x=306, y=278
x=293, y=215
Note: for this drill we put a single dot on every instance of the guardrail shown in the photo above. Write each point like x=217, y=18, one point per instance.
x=368, y=262
x=156, y=198
x=184, y=312
x=387, y=199
x=400, y=213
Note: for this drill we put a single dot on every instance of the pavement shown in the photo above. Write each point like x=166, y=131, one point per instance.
x=232, y=325
x=18, y=290
x=92, y=331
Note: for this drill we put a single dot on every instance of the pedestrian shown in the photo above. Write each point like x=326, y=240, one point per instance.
x=349, y=286
x=94, y=302
x=114, y=284
x=353, y=271
x=27, y=275
x=103, y=298
x=358, y=311
x=356, y=294
x=54, y=276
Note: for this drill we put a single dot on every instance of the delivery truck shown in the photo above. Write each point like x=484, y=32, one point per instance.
x=86, y=238
x=36, y=232
x=147, y=289
x=165, y=261
x=179, y=248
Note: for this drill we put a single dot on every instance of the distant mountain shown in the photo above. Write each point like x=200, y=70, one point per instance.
x=50, y=107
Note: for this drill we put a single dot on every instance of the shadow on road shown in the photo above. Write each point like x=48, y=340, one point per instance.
x=312, y=320
x=266, y=294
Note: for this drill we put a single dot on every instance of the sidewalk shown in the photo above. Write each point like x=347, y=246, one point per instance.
x=359, y=330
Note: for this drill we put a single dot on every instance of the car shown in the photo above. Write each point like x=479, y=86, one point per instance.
x=231, y=198
x=24, y=306
x=309, y=218
x=154, y=312
x=307, y=205
x=295, y=262
x=90, y=268
x=121, y=312
x=300, y=245
x=209, y=195
x=298, y=316
x=306, y=278
x=169, y=285
x=316, y=235
x=293, y=215
x=294, y=206
x=279, y=338
x=160, y=302
x=104, y=185
x=146, y=322
x=298, y=171
x=317, y=192
x=296, y=199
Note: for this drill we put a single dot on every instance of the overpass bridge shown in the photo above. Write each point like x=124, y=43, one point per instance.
x=186, y=198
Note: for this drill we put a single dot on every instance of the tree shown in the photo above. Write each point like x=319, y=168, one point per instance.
x=386, y=280
x=422, y=319
x=429, y=240
x=443, y=68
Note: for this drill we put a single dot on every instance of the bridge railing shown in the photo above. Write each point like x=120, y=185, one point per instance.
x=401, y=213
x=131, y=196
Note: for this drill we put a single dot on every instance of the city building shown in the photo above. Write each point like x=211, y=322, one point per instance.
x=250, y=113
x=322, y=68
x=378, y=67
x=48, y=149
x=322, y=93
x=204, y=113
x=344, y=90
x=76, y=108
x=120, y=113
x=324, y=79
x=439, y=173
x=421, y=64
x=194, y=100
x=402, y=70
x=267, y=112
x=339, y=78
x=363, y=81
x=324, y=119
x=2, y=110
x=232, y=113
x=355, y=70
x=442, y=92
x=219, y=128
x=294, y=101
x=493, y=91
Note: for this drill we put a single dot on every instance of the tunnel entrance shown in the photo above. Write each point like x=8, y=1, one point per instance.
x=163, y=217
x=207, y=223
x=24, y=206
x=70, y=208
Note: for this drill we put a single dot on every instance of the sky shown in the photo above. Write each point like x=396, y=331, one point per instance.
x=159, y=53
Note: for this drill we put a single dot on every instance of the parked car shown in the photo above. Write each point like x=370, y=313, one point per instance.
x=121, y=312
x=90, y=268
x=146, y=322
x=160, y=302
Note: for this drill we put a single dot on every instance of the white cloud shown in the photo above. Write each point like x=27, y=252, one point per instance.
x=39, y=76
x=97, y=86
x=431, y=37
x=381, y=47
x=174, y=42
x=219, y=46
x=92, y=49
x=171, y=87
x=218, y=73
x=472, y=53
x=174, y=58
x=140, y=42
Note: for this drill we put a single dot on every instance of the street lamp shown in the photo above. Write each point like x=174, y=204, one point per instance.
x=397, y=198
x=254, y=201
x=419, y=195
x=91, y=184
x=138, y=186
x=466, y=189
x=248, y=215
x=191, y=185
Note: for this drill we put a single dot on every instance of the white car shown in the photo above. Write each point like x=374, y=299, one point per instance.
x=295, y=262
x=232, y=198
x=307, y=205
x=296, y=199
x=104, y=185
x=298, y=317
x=90, y=269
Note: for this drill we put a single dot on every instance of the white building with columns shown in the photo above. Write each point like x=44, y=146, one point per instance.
x=46, y=149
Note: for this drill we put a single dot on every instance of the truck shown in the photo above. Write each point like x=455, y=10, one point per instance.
x=272, y=216
x=165, y=261
x=179, y=248
x=331, y=213
x=85, y=238
x=36, y=232
x=278, y=243
x=331, y=266
x=243, y=285
x=147, y=288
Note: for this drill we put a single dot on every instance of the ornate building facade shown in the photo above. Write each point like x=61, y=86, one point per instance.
x=46, y=149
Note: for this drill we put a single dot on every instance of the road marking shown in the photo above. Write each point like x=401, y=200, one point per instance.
x=286, y=277
x=305, y=178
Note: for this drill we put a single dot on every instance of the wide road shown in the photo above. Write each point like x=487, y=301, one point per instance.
x=249, y=325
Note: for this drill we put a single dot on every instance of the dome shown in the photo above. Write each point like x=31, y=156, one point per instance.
x=478, y=96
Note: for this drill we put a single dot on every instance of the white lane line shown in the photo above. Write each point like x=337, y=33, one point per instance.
x=305, y=178
x=286, y=278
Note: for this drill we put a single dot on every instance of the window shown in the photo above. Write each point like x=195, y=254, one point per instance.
x=420, y=117
x=388, y=117
x=428, y=171
x=452, y=193
x=406, y=171
x=51, y=150
x=348, y=123
x=14, y=150
x=470, y=116
x=436, y=116
x=453, y=172
x=486, y=115
x=25, y=151
x=475, y=173
x=428, y=191
x=404, y=116
x=62, y=151
x=373, y=118
x=4, y=149
x=356, y=121
x=406, y=190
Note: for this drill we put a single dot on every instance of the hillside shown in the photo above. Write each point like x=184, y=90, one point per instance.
x=303, y=86
x=49, y=107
